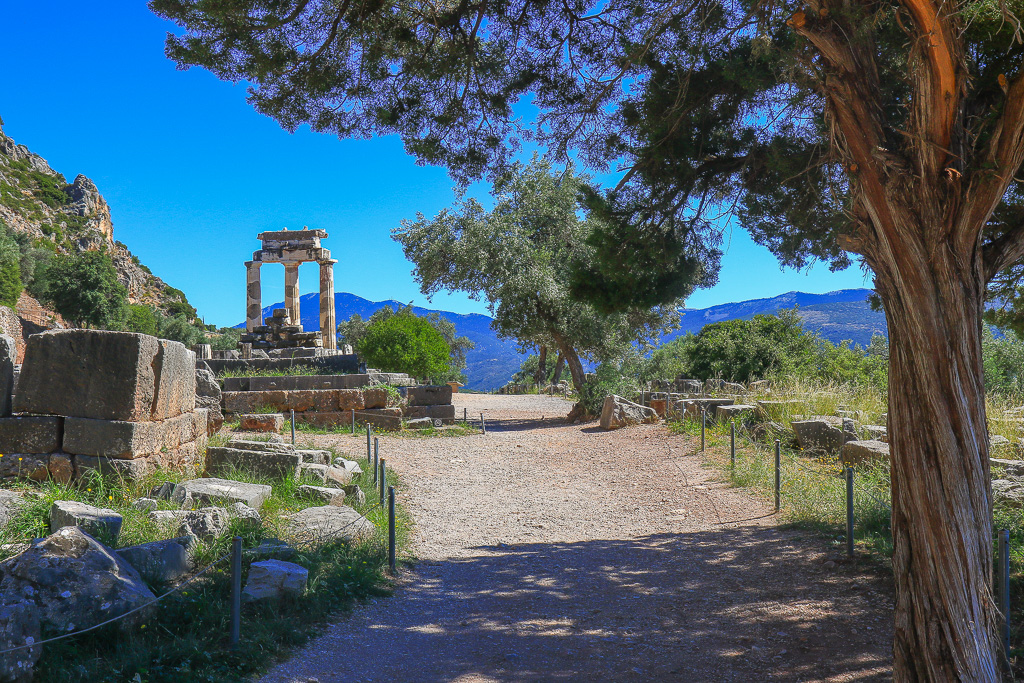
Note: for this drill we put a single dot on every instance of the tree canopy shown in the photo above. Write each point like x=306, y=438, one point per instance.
x=405, y=342
x=520, y=257
x=83, y=287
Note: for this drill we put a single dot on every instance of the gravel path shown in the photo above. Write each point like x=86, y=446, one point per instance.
x=554, y=552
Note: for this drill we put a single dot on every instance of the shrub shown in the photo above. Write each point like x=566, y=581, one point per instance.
x=143, y=319
x=83, y=287
x=405, y=342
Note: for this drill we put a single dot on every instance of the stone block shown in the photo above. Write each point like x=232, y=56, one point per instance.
x=659, y=406
x=351, y=399
x=161, y=561
x=175, y=380
x=857, y=452
x=618, y=412
x=435, y=395
x=328, y=523
x=32, y=466
x=10, y=504
x=61, y=467
x=315, y=457
x=695, y=405
x=445, y=413
x=320, y=400
x=274, y=464
x=220, y=491
x=273, y=580
x=262, y=422
x=823, y=434
x=419, y=423
x=89, y=373
x=354, y=494
x=241, y=401
x=30, y=434
x=8, y=356
x=323, y=494
x=101, y=523
x=375, y=397
x=732, y=412
x=269, y=446
x=126, y=470
x=128, y=440
x=206, y=523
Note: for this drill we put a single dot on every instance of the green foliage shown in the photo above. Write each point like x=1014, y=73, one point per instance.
x=83, y=287
x=351, y=331
x=10, y=269
x=1003, y=359
x=521, y=257
x=179, y=328
x=408, y=343
x=766, y=346
x=143, y=319
x=227, y=339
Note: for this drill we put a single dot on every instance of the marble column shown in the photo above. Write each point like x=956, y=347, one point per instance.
x=253, y=296
x=328, y=325
x=291, y=293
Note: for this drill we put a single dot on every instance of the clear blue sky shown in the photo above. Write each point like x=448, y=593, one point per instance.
x=192, y=173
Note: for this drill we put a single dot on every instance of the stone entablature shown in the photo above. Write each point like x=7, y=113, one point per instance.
x=292, y=248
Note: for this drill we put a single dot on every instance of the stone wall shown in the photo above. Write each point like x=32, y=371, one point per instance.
x=116, y=402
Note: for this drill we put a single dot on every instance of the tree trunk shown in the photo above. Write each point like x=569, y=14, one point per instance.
x=572, y=359
x=542, y=370
x=945, y=620
x=559, y=364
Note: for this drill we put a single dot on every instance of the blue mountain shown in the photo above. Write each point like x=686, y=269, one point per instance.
x=836, y=316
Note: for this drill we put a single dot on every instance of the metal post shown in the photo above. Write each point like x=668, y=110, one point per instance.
x=383, y=479
x=353, y=422
x=236, y=591
x=376, y=449
x=483, y=425
x=293, y=427
x=465, y=416
x=1004, y=589
x=703, y=424
x=849, y=511
x=778, y=475
x=376, y=468
x=391, y=528
x=367, y=442
x=732, y=444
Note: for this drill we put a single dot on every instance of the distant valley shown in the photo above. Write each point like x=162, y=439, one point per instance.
x=836, y=316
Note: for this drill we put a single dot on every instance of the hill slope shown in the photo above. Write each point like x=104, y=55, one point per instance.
x=836, y=316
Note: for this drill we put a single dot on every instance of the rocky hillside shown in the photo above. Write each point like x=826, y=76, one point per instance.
x=39, y=202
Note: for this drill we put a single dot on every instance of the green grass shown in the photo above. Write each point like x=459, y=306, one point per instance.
x=457, y=429
x=184, y=637
x=280, y=372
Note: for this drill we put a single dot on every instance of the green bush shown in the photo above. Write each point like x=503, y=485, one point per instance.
x=10, y=270
x=83, y=287
x=143, y=319
x=407, y=343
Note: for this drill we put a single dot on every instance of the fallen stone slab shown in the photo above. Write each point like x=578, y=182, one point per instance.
x=354, y=495
x=89, y=373
x=205, y=523
x=1008, y=493
x=419, y=423
x=274, y=580
x=261, y=422
x=618, y=412
x=324, y=524
x=127, y=470
x=31, y=466
x=145, y=504
x=175, y=381
x=101, y=523
x=323, y=494
x=433, y=395
x=74, y=582
x=272, y=548
x=262, y=463
x=445, y=413
x=694, y=406
x=19, y=626
x=375, y=397
x=240, y=513
x=161, y=561
x=733, y=412
x=823, y=434
x=857, y=452
x=129, y=440
x=315, y=457
x=350, y=466
x=876, y=432
x=212, y=491
x=269, y=446
x=1013, y=468
x=30, y=434
x=10, y=504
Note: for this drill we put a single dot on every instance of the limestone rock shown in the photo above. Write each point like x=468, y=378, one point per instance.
x=19, y=626
x=89, y=373
x=822, y=434
x=419, y=423
x=327, y=496
x=211, y=491
x=733, y=388
x=618, y=412
x=73, y=582
x=1013, y=468
x=275, y=464
x=8, y=355
x=856, y=452
x=732, y=412
x=435, y=395
x=273, y=580
x=268, y=446
x=1008, y=493
x=161, y=561
x=272, y=548
x=33, y=466
x=98, y=522
x=204, y=523
x=242, y=513
x=350, y=466
x=10, y=504
x=995, y=441
x=175, y=380
x=262, y=422
x=328, y=523
x=145, y=504
x=354, y=495
x=315, y=457
x=375, y=397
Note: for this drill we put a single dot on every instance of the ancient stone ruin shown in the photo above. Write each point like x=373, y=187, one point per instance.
x=291, y=248
x=279, y=332
x=117, y=402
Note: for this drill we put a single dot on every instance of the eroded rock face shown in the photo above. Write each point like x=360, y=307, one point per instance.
x=824, y=434
x=273, y=580
x=161, y=561
x=72, y=582
x=618, y=412
x=328, y=523
x=19, y=626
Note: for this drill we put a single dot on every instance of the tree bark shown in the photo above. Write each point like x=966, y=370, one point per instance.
x=559, y=364
x=945, y=617
x=542, y=362
x=572, y=359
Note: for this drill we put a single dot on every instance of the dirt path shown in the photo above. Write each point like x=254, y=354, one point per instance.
x=553, y=552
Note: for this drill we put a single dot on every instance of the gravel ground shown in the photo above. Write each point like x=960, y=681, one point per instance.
x=554, y=552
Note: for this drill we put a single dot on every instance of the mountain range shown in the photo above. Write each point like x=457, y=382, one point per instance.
x=836, y=316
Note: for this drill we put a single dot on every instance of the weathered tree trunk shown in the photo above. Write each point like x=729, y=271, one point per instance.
x=542, y=370
x=572, y=359
x=559, y=364
x=941, y=514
